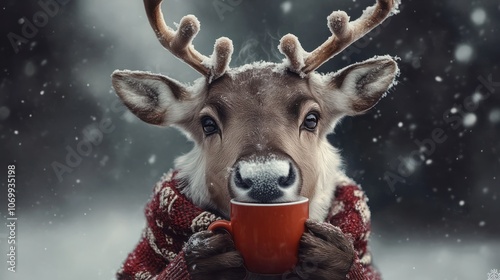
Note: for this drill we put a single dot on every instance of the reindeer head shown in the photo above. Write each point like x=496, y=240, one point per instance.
x=260, y=130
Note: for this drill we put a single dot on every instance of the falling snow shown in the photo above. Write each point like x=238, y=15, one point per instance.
x=4, y=113
x=478, y=16
x=469, y=120
x=477, y=97
x=410, y=164
x=152, y=159
x=286, y=7
x=53, y=89
x=494, y=116
x=463, y=53
x=29, y=69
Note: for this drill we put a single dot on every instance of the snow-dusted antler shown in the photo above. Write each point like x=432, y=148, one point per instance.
x=344, y=34
x=180, y=44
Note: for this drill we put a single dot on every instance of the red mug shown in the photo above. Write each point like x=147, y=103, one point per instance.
x=267, y=235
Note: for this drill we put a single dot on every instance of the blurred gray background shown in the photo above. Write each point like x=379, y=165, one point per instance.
x=435, y=210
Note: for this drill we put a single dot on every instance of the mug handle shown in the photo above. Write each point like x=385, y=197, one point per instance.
x=221, y=224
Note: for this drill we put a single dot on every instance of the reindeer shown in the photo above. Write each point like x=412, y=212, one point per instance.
x=259, y=134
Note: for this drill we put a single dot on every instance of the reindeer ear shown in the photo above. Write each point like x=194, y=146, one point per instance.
x=358, y=87
x=155, y=99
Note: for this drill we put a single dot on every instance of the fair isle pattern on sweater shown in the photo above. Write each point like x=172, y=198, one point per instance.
x=172, y=219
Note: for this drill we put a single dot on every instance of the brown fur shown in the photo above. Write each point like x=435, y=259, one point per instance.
x=213, y=256
x=324, y=254
x=258, y=112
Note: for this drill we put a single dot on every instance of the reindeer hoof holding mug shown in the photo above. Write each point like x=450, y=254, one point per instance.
x=259, y=134
x=325, y=253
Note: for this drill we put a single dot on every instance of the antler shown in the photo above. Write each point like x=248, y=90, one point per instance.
x=180, y=44
x=344, y=34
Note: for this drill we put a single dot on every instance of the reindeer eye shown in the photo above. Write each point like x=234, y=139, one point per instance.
x=311, y=121
x=209, y=126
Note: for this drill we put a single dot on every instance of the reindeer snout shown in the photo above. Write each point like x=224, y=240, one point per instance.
x=265, y=180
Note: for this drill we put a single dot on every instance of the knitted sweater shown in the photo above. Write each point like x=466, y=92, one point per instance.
x=172, y=219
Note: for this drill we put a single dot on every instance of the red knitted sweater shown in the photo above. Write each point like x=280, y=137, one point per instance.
x=172, y=219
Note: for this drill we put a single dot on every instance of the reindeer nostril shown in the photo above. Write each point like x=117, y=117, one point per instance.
x=285, y=182
x=240, y=182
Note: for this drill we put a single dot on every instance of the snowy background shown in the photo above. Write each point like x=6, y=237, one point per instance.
x=440, y=223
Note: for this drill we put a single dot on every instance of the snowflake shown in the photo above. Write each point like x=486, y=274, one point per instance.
x=494, y=275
